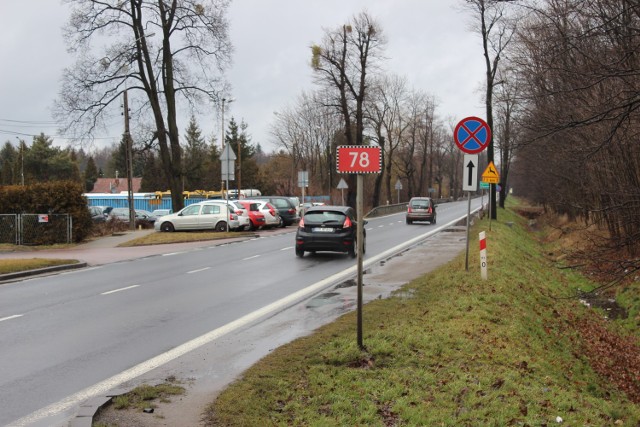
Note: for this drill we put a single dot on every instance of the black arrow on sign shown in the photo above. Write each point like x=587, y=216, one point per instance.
x=470, y=165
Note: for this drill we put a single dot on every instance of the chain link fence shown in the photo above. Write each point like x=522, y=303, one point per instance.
x=35, y=229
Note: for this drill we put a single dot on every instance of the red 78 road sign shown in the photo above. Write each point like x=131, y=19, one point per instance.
x=358, y=159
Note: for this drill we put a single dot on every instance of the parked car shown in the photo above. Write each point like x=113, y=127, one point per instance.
x=296, y=202
x=328, y=228
x=199, y=216
x=160, y=212
x=256, y=218
x=271, y=216
x=285, y=207
x=421, y=209
x=143, y=218
x=97, y=214
x=243, y=216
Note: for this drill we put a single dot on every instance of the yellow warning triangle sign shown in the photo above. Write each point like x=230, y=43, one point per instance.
x=490, y=174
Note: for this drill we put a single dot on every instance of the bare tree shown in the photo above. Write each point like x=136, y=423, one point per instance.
x=387, y=111
x=342, y=63
x=168, y=50
x=496, y=32
x=580, y=68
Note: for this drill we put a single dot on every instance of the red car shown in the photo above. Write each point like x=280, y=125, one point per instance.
x=256, y=218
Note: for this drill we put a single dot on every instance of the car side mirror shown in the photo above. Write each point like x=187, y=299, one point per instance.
x=365, y=222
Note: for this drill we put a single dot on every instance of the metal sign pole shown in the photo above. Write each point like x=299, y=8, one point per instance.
x=466, y=259
x=360, y=245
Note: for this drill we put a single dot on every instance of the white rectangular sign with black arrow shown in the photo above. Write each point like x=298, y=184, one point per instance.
x=470, y=173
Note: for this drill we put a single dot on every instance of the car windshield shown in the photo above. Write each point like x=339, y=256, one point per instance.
x=324, y=217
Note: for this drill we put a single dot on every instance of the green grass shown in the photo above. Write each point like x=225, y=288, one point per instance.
x=459, y=352
x=143, y=396
x=17, y=265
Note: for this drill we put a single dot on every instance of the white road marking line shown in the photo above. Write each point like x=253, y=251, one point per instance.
x=119, y=290
x=172, y=253
x=251, y=257
x=287, y=248
x=198, y=270
x=15, y=316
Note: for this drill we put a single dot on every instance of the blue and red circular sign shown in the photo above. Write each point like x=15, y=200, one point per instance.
x=472, y=135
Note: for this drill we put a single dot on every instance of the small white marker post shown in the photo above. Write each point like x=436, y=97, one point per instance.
x=483, y=256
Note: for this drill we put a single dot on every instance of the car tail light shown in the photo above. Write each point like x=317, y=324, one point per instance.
x=409, y=210
x=292, y=211
x=347, y=223
x=429, y=210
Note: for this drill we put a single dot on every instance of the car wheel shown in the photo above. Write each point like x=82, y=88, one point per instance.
x=299, y=253
x=252, y=227
x=434, y=219
x=280, y=223
x=408, y=221
x=221, y=226
x=167, y=226
x=353, y=251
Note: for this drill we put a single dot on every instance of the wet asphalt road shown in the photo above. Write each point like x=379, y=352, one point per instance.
x=233, y=352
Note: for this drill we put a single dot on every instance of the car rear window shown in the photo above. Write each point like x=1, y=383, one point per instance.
x=280, y=203
x=323, y=217
x=420, y=204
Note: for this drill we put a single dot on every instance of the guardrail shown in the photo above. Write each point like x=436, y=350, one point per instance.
x=395, y=208
x=387, y=210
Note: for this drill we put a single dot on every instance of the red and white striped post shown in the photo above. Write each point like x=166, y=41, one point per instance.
x=483, y=256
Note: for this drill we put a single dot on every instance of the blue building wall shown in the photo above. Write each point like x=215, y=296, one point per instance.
x=144, y=201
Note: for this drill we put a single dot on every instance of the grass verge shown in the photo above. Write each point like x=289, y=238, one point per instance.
x=17, y=265
x=159, y=238
x=459, y=351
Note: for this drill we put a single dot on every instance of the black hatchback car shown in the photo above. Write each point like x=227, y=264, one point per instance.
x=328, y=228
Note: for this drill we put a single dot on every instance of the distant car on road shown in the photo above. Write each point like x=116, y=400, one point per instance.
x=199, y=216
x=328, y=228
x=421, y=209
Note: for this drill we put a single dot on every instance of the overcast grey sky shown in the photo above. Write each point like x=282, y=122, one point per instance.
x=429, y=42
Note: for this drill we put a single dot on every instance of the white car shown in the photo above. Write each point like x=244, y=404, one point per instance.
x=200, y=216
x=243, y=215
x=271, y=216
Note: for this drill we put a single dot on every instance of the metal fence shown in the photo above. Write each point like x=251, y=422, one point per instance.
x=35, y=229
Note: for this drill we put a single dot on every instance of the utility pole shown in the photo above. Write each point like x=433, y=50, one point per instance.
x=129, y=161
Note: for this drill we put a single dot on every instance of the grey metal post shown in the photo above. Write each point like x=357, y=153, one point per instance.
x=359, y=243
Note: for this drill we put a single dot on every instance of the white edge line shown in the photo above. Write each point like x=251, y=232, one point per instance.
x=119, y=290
x=162, y=359
x=15, y=316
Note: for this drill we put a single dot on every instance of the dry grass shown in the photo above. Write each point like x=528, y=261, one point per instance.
x=159, y=238
x=16, y=265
